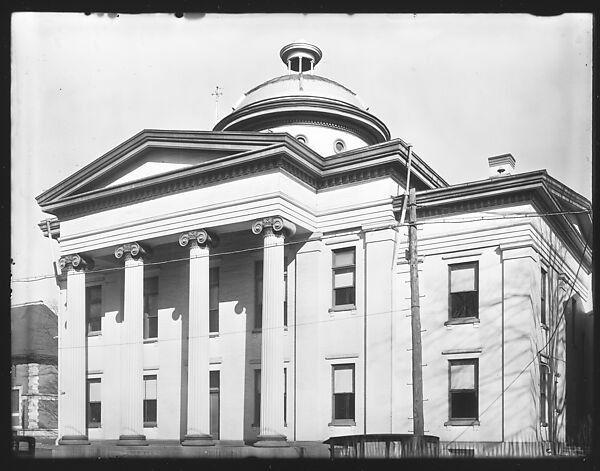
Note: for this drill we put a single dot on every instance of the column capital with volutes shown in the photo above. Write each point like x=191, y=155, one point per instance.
x=198, y=237
x=132, y=250
x=75, y=262
x=274, y=225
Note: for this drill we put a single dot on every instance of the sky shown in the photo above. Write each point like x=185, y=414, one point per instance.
x=459, y=87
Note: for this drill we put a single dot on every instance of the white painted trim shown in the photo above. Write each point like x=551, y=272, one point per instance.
x=341, y=356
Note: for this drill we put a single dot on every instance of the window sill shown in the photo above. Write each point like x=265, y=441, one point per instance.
x=461, y=422
x=257, y=330
x=213, y=335
x=462, y=320
x=94, y=425
x=95, y=333
x=150, y=425
x=153, y=340
x=345, y=307
x=342, y=423
x=255, y=425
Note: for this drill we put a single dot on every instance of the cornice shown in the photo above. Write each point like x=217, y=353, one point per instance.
x=258, y=114
x=385, y=160
x=315, y=122
x=54, y=226
x=535, y=187
x=208, y=140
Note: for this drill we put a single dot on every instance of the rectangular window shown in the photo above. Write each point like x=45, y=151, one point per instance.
x=463, y=290
x=94, y=403
x=464, y=389
x=285, y=397
x=215, y=386
x=213, y=322
x=93, y=308
x=258, y=294
x=16, y=407
x=462, y=452
x=256, y=398
x=344, y=283
x=150, y=399
x=285, y=295
x=543, y=296
x=151, y=308
x=544, y=373
x=343, y=394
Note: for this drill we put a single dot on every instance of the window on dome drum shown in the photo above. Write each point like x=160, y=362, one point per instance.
x=339, y=146
x=94, y=403
x=343, y=271
x=256, y=422
x=150, y=399
x=463, y=299
x=213, y=322
x=543, y=296
x=258, y=292
x=93, y=309
x=342, y=377
x=151, y=308
x=544, y=373
x=463, y=391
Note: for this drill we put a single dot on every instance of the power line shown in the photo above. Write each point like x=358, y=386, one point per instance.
x=237, y=332
x=452, y=221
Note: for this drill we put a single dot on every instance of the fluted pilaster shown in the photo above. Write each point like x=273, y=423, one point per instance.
x=198, y=412
x=72, y=339
x=132, y=366
x=272, y=387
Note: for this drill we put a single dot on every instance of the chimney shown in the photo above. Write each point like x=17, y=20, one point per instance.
x=501, y=165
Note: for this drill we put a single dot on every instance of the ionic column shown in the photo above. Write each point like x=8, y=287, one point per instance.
x=198, y=412
x=73, y=369
x=132, y=332
x=271, y=399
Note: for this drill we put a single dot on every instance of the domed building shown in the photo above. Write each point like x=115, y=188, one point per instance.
x=326, y=116
x=246, y=291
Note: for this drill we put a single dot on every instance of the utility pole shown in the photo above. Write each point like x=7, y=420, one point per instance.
x=415, y=320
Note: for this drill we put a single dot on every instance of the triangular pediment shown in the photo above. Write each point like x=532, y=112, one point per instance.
x=151, y=154
x=153, y=162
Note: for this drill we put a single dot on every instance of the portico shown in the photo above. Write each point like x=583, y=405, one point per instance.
x=142, y=257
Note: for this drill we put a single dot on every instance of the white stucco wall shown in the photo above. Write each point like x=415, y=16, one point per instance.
x=509, y=253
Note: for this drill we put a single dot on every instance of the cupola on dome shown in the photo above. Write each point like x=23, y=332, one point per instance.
x=319, y=109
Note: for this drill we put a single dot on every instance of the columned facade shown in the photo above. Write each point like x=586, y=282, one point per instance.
x=132, y=382
x=72, y=337
x=198, y=410
x=273, y=230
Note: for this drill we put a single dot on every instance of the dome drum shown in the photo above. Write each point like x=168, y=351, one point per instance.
x=264, y=115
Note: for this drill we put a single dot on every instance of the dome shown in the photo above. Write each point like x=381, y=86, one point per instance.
x=299, y=99
x=294, y=86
